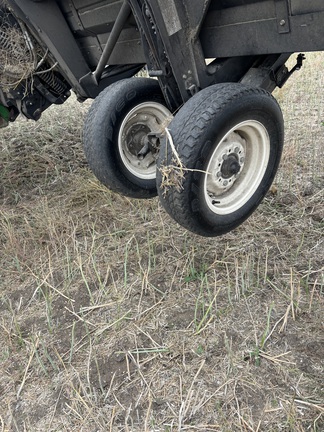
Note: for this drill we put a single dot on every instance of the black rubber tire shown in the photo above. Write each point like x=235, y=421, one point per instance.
x=101, y=130
x=197, y=131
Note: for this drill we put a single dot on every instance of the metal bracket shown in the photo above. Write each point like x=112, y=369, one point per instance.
x=282, y=14
x=284, y=74
x=76, y=16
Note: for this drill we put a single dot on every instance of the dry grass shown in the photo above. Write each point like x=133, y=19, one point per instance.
x=16, y=59
x=115, y=319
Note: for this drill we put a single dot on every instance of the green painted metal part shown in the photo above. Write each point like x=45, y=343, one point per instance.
x=4, y=116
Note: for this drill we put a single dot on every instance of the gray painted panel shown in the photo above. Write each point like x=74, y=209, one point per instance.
x=170, y=16
x=90, y=4
x=248, y=13
x=306, y=6
x=101, y=15
x=256, y=38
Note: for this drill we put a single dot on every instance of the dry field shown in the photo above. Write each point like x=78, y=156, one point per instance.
x=113, y=318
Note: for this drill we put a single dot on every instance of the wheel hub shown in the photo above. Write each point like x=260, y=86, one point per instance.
x=230, y=166
x=134, y=141
x=228, y=162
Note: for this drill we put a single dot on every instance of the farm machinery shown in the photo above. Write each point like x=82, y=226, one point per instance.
x=202, y=129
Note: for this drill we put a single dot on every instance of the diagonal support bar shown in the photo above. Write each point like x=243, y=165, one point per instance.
x=121, y=19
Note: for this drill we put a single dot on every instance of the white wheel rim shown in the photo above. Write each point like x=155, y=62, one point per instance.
x=237, y=167
x=147, y=117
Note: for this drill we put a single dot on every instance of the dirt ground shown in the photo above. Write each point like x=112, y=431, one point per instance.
x=113, y=318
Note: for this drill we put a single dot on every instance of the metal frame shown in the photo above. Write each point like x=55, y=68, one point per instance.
x=249, y=40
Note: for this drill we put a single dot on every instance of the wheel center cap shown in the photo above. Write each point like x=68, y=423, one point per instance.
x=230, y=166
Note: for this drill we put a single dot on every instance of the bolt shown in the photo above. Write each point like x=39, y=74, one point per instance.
x=282, y=22
x=219, y=174
x=225, y=183
x=225, y=156
x=242, y=159
x=236, y=150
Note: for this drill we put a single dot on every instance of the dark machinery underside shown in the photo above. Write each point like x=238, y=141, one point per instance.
x=49, y=47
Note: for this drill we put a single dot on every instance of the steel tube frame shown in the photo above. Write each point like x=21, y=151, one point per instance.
x=122, y=17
